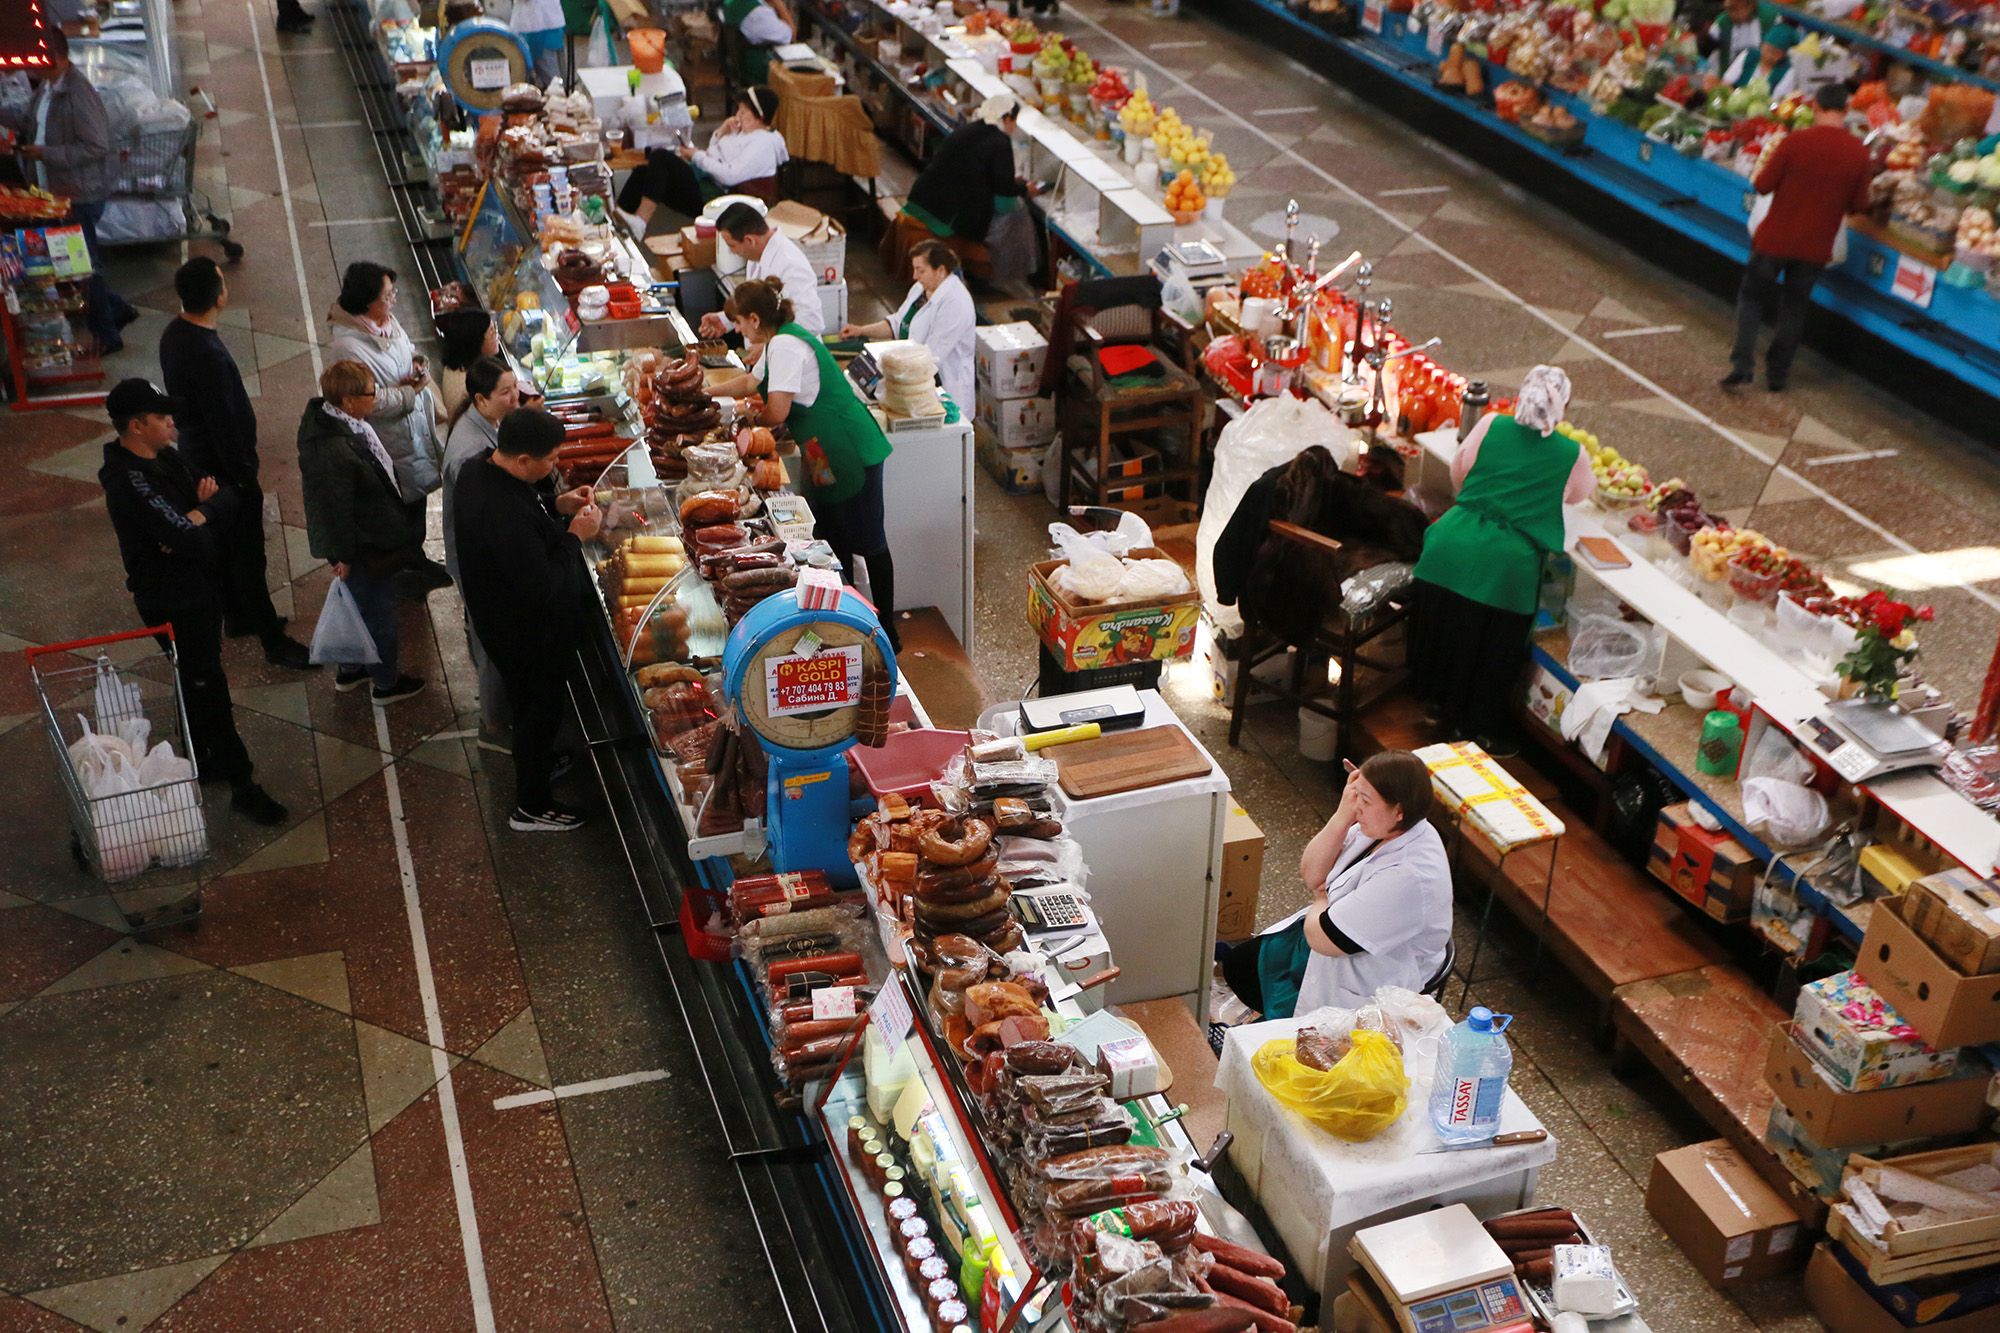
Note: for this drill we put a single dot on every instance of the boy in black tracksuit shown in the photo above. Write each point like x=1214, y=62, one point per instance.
x=526, y=587
x=167, y=519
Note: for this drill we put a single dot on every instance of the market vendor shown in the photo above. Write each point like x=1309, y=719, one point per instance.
x=969, y=188
x=1772, y=63
x=744, y=149
x=1479, y=578
x=842, y=447
x=938, y=313
x=1737, y=30
x=1381, y=901
x=772, y=255
x=761, y=24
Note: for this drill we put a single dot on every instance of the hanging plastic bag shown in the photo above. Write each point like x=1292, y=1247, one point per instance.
x=1792, y=814
x=342, y=637
x=599, y=51
x=1606, y=648
x=1355, y=1100
x=127, y=822
x=1774, y=756
x=116, y=697
x=91, y=754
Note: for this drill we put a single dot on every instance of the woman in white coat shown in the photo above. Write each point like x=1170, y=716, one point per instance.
x=1381, y=908
x=938, y=313
x=364, y=328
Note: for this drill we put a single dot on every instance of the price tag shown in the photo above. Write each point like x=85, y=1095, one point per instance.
x=1914, y=281
x=1371, y=15
x=892, y=1017
x=488, y=73
x=833, y=1002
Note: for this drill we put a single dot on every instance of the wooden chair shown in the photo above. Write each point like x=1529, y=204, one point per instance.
x=1093, y=414
x=1338, y=637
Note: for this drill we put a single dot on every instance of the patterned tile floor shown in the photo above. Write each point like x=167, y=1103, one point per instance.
x=264, y=1123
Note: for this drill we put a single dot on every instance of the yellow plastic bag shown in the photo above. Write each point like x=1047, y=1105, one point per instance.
x=1355, y=1100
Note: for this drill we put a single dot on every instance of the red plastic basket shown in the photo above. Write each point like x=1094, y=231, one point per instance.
x=699, y=906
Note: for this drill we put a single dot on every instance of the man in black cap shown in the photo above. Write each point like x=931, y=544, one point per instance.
x=525, y=585
x=218, y=437
x=167, y=519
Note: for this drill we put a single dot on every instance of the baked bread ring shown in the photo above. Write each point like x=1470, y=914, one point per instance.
x=964, y=893
x=951, y=913
x=957, y=843
x=938, y=880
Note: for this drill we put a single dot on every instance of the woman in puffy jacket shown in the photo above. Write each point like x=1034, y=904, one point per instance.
x=364, y=328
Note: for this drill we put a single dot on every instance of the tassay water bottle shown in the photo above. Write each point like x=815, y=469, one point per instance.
x=1472, y=1068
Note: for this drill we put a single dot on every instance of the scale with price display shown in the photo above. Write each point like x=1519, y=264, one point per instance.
x=794, y=670
x=1863, y=740
x=1440, y=1272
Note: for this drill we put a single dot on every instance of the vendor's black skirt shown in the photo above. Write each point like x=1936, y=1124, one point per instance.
x=854, y=526
x=1239, y=969
x=667, y=181
x=1466, y=660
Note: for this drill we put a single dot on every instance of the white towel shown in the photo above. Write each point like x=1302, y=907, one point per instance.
x=1595, y=707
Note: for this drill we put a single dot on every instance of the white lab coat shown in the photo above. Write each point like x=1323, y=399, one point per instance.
x=752, y=155
x=786, y=264
x=945, y=325
x=1787, y=83
x=1395, y=903
x=763, y=27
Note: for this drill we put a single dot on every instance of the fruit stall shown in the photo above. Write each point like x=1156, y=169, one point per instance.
x=1614, y=99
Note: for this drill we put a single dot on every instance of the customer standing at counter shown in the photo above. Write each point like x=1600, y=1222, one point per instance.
x=526, y=590
x=773, y=256
x=491, y=392
x=1381, y=901
x=938, y=313
x=365, y=329
x=1815, y=178
x=1480, y=574
x=839, y=441
x=466, y=334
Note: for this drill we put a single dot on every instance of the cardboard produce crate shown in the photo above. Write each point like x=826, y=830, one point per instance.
x=1915, y=1241
x=1242, y=875
x=1958, y=914
x=1861, y=1040
x=1838, y=1118
x=1712, y=870
x=1091, y=636
x=1948, y=1007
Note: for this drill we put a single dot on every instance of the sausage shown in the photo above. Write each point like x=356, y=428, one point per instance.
x=1043, y=1057
x=798, y=1034
x=1541, y=1270
x=967, y=893
x=1266, y=1321
x=979, y=927
x=1531, y=1228
x=1514, y=1247
x=1238, y=1257
x=933, y=879
x=1041, y=829
x=758, y=580
x=958, y=843
x=967, y=911
x=1258, y=1291
x=1215, y=1319
x=1150, y=1221
x=1526, y=1257
x=839, y=964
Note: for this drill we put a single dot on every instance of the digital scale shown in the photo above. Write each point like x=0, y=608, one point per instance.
x=1862, y=740
x=1111, y=709
x=794, y=676
x=1198, y=261
x=1440, y=1272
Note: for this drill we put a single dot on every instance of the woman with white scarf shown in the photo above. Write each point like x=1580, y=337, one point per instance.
x=364, y=328
x=1480, y=575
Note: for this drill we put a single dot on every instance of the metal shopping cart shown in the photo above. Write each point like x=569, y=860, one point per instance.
x=135, y=809
x=153, y=189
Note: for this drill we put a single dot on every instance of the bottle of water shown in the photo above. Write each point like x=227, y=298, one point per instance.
x=1472, y=1067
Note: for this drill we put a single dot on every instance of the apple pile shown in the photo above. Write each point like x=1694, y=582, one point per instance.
x=1184, y=195
x=1110, y=88
x=1711, y=550
x=1619, y=480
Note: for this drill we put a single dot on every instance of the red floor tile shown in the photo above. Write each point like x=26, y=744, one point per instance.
x=39, y=945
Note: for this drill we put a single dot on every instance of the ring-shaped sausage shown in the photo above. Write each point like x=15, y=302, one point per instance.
x=940, y=847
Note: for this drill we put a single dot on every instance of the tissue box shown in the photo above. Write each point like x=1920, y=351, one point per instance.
x=1958, y=914
x=1585, y=1280
x=1131, y=1066
x=1860, y=1041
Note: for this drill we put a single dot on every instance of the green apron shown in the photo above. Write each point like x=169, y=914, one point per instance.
x=1489, y=545
x=1774, y=78
x=756, y=60
x=838, y=437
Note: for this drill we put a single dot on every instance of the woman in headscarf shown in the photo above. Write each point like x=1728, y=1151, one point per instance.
x=1480, y=575
x=969, y=181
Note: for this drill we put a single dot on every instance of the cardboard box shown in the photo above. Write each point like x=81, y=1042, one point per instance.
x=1710, y=869
x=1958, y=914
x=822, y=238
x=1731, y=1225
x=1019, y=471
x=1815, y=1167
x=1861, y=1040
x=1007, y=360
x=697, y=251
x=1847, y=1304
x=1946, y=1006
x=1018, y=423
x=1242, y=875
x=1886, y=871
x=1836, y=1118
x=1095, y=635
x=1547, y=698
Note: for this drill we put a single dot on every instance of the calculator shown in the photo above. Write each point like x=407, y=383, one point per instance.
x=1051, y=909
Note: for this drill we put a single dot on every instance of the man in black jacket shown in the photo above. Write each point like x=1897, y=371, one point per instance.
x=166, y=519
x=218, y=436
x=525, y=585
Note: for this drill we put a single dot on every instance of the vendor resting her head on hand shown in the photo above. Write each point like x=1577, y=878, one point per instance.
x=1381, y=901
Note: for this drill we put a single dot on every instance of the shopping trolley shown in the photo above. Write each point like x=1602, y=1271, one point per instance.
x=135, y=809
x=157, y=166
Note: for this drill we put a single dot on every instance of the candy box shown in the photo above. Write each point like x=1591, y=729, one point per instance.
x=1860, y=1040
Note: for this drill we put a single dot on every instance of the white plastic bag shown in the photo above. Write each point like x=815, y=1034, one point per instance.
x=127, y=822
x=1272, y=432
x=1605, y=648
x=91, y=753
x=342, y=637
x=1792, y=814
x=1092, y=572
x=1774, y=756
x=116, y=697
x=1146, y=580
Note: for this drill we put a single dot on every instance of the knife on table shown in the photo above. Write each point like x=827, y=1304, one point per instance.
x=1508, y=1140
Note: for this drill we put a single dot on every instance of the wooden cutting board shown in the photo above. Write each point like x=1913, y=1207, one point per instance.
x=1127, y=761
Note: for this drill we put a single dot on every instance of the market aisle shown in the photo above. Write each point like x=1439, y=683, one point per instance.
x=1884, y=493
x=241, y=1125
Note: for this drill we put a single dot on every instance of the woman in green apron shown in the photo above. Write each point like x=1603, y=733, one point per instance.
x=1479, y=578
x=841, y=447
x=761, y=25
